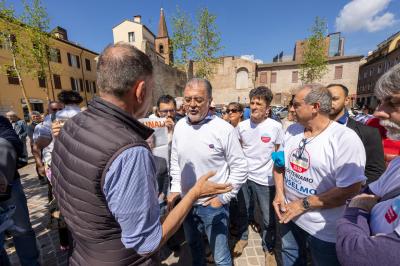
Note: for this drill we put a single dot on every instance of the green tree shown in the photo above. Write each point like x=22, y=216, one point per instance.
x=182, y=40
x=27, y=39
x=315, y=63
x=36, y=18
x=207, y=43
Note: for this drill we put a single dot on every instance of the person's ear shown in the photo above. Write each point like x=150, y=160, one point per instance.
x=346, y=101
x=316, y=107
x=140, y=91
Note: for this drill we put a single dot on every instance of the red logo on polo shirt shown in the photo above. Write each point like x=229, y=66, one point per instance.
x=265, y=138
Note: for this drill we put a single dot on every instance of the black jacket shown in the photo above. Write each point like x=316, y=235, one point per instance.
x=10, y=150
x=370, y=137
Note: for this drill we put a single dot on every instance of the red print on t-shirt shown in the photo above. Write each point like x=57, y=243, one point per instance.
x=265, y=138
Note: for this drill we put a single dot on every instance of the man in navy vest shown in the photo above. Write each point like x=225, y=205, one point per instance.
x=105, y=181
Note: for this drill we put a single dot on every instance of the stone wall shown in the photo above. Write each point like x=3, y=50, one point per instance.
x=167, y=79
x=225, y=83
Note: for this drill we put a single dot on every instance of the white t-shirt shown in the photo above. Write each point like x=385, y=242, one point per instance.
x=385, y=215
x=68, y=112
x=258, y=142
x=334, y=158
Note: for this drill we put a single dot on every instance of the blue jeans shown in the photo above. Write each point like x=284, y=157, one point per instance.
x=214, y=223
x=25, y=241
x=264, y=196
x=295, y=242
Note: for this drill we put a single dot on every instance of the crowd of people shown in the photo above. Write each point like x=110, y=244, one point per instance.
x=318, y=186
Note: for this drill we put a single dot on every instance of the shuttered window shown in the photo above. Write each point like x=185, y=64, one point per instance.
x=338, y=72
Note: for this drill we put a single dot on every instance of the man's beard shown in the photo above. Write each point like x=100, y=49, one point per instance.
x=393, y=129
x=334, y=113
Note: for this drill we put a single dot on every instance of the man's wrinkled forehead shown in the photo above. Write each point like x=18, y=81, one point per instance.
x=301, y=94
x=391, y=97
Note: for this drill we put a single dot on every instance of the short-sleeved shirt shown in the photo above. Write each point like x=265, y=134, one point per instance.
x=334, y=158
x=258, y=142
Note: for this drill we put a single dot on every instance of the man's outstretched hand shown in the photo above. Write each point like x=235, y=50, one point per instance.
x=205, y=188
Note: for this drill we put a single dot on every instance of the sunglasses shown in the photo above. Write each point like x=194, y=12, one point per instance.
x=56, y=109
x=228, y=111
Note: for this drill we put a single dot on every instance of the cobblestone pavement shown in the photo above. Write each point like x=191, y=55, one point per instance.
x=253, y=254
x=48, y=241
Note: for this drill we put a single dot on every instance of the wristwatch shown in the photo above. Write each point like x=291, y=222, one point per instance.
x=306, y=204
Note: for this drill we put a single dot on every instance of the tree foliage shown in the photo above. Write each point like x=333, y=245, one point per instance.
x=200, y=42
x=27, y=40
x=315, y=63
x=208, y=43
x=182, y=40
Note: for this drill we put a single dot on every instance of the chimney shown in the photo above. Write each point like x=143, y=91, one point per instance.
x=137, y=19
x=60, y=33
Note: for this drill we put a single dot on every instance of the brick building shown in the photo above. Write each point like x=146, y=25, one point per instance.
x=234, y=77
x=374, y=66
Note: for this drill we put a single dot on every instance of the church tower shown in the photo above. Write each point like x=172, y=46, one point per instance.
x=162, y=43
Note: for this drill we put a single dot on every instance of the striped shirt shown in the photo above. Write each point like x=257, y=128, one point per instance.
x=130, y=189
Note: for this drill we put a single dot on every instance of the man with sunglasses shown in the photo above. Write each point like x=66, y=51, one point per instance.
x=324, y=165
x=260, y=136
x=204, y=142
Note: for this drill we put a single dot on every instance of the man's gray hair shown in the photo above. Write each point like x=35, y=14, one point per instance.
x=179, y=102
x=35, y=113
x=11, y=113
x=389, y=83
x=120, y=66
x=194, y=82
x=318, y=94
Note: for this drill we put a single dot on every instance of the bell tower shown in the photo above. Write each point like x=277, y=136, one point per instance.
x=162, y=42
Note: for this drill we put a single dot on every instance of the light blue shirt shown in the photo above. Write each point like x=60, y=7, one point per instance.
x=130, y=189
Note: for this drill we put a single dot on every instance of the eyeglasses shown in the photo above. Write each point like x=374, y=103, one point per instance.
x=228, y=111
x=167, y=111
x=301, y=148
x=198, y=100
x=56, y=109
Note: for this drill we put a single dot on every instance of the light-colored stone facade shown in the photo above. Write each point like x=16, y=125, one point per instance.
x=286, y=82
x=229, y=73
x=233, y=78
x=168, y=79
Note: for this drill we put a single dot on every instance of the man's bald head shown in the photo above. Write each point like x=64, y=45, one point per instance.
x=120, y=67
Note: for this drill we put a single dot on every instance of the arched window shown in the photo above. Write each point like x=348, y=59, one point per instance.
x=161, y=49
x=242, y=78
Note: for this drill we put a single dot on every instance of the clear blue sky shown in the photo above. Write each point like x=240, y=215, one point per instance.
x=261, y=28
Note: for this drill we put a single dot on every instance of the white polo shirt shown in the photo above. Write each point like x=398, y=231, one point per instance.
x=334, y=158
x=258, y=142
